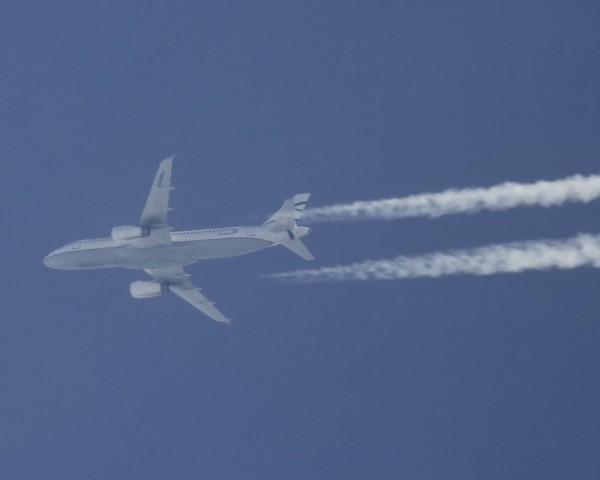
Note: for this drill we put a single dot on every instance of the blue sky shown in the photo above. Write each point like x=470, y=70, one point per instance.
x=458, y=377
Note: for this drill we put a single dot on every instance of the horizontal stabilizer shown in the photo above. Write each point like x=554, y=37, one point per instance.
x=296, y=246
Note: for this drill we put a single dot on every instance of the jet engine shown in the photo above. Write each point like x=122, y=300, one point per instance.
x=141, y=289
x=129, y=232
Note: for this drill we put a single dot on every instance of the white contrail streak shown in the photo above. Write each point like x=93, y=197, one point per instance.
x=579, y=251
x=469, y=200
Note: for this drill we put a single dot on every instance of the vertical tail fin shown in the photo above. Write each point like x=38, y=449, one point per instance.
x=284, y=220
x=291, y=211
x=300, y=201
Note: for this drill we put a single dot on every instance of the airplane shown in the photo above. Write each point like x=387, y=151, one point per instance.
x=152, y=245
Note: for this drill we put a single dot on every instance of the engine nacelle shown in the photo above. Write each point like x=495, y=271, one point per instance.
x=129, y=232
x=141, y=289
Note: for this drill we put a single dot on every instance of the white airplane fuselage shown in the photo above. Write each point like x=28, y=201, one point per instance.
x=187, y=247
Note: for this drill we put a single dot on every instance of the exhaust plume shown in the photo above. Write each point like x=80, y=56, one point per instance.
x=579, y=251
x=468, y=200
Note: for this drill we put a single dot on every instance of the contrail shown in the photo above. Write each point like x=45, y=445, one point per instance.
x=579, y=251
x=468, y=200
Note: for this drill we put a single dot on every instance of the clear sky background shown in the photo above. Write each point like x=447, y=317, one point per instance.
x=452, y=378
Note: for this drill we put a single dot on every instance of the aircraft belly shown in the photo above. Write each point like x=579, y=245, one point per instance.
x=154, y=257
x=227, y=247
x=86, y=259
x=186, y=253
x=176, y=254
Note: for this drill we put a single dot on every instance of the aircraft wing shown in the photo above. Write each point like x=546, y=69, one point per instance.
x=157, y=205
x=178, y=282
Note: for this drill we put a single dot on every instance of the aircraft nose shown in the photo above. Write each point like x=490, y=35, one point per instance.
x=50, y=260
